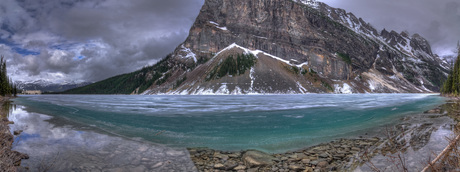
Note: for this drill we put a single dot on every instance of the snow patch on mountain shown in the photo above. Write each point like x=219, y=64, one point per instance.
x=343, y=89
x=47, y=86
x=188, y=53
x=218, y=26
x=311, y=3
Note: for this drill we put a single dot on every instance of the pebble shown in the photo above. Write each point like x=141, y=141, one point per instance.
x=296, y=167
x=323, y=155
x=157, y=165
x=323, y=164
x=308, y=169
x=240, y=167
x=306, y=161
x=219, y=166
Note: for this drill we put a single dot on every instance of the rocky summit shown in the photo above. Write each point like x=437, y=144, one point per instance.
x=284, y=47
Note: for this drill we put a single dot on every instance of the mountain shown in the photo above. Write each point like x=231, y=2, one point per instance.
x=46, y=86
x=285, y=46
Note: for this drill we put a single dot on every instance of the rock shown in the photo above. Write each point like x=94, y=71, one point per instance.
x=257, y=159
x=293, y=156
x=174, y=153
x=229, y=165
x=374, y=139
x=323, y=155
x=292, y=160
x=157, y=165
x=234, y=155
x=436, y=110
x=192, y=151
x=296, y=167
x=17, y=132
x=302, y=156
x=10, y=122
x=339, y=156
x=240, y=167
x=365, y=144
x=306, y=161
x=323, y=164
x=308, y=169
x=345, y=146
x=253, y=170
x=355, y=149
x=314, y=162
x=221, y=156
x=219, y=166
x=312, y=157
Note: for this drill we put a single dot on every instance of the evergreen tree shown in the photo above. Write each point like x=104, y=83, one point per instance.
x=6, y=85
x=451, y=86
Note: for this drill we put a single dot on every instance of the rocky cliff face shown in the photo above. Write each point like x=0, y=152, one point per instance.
x=303, y=46
x=299, y=46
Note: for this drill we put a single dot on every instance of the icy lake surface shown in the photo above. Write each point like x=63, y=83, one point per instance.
x=271, y=123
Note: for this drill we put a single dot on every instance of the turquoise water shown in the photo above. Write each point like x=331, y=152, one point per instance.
x=272, y=123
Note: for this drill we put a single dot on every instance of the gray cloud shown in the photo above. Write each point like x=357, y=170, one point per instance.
x=91, y=39
x=438, y=21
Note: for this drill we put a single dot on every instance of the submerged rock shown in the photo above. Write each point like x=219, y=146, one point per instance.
x=17, y=132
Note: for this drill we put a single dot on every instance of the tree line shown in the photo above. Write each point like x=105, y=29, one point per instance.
x=7, y=87
x=451, y=86
x=233, y=67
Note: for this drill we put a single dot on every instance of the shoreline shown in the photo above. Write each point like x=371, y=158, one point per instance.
x=10, y=160
x=412, y=133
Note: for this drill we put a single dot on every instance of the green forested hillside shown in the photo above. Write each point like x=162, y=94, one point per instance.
x=452, y=85
x=127, y=83
x=7, y=88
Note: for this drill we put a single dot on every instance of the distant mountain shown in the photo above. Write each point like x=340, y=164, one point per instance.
x=285, y=46
x=46, y=86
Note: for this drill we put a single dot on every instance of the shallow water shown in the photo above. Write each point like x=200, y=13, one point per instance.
x=64, y=148
x=272, y=123
x=416, y=156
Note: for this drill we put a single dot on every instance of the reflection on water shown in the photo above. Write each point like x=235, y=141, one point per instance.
x=424, y=137
x=7, y=108
x=67, y=149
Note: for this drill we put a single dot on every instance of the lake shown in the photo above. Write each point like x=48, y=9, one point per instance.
x=270, y=123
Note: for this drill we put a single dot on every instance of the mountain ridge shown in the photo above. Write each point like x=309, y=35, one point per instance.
x=46, y=86
x=317, y=48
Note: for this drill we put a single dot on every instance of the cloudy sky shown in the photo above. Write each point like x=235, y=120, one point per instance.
x=90, y=40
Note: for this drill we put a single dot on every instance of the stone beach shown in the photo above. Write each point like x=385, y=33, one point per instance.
x=10, y=160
